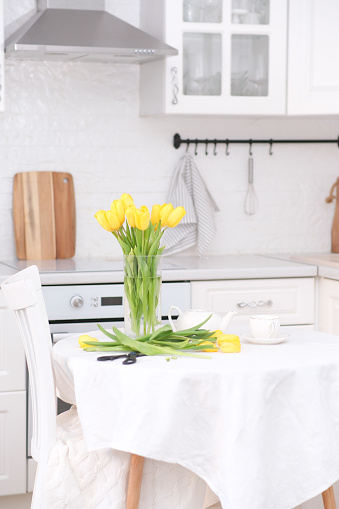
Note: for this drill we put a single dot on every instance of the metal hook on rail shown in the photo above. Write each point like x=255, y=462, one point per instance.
x=206, y=148
x=250, y=150
x=227, y=151
x=196, y=148
x=271, y=150
x=215, y=148
x=188, y=144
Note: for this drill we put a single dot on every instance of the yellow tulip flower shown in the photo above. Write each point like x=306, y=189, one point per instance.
x=130, y=215
x=85, y=337
x=227, y=338
x=100, y=216
x=165, y=210
x=211, y=347
x=155, y=214
x=127, y=200
x=216, y=333
x=108, y=220
x=176, y=216
x=142, y=217
x=138, y=217
x=113, y=220
x=228, y=347
x=117, y=207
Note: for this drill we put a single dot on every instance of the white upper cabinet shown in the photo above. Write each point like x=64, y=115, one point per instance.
x=232, y=57
x=313, y=70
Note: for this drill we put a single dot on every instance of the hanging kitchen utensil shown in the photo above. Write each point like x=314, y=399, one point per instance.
x=44, y=215
x=335, y=225
x=251, y=200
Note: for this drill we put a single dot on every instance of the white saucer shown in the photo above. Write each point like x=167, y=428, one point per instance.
x=273, y=341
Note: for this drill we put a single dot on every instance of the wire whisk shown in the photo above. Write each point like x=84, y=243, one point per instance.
x=251, y=201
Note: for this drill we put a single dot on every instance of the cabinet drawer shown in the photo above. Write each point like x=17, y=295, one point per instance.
x=12, y=443
x=290, y=298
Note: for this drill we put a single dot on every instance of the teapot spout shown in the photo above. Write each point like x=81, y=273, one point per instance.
x=226, y=320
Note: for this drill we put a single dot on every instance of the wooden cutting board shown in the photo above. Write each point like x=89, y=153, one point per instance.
x=334, y=196
x=44, y=215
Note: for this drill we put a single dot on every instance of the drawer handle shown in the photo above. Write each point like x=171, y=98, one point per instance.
x=255, y=304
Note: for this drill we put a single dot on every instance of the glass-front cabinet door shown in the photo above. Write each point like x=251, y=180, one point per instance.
x=232, y=58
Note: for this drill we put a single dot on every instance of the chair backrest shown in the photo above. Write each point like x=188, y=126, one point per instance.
x=23, y=294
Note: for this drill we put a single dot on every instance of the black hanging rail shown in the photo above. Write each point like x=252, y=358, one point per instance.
x=177, y=141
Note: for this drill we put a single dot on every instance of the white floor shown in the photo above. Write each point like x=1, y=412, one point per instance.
x=24, y=502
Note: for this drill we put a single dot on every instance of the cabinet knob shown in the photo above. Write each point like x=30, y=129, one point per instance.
x=77, y=301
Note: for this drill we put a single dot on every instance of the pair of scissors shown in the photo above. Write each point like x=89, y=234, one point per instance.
x=131, y=357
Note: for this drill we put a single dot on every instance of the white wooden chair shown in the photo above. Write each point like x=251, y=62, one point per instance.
x=24, y=295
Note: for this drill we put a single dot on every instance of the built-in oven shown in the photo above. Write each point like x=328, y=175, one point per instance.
x=79, y=308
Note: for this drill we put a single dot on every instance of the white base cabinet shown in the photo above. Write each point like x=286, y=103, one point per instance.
x=12, y=443
x=329, y=305
x=290, y=298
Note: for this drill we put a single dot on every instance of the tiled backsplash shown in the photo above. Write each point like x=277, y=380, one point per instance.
x=84, y=118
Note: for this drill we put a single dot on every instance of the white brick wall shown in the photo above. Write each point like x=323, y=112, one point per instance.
x=83, y=118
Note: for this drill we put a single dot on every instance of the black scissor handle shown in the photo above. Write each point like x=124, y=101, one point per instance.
x=111, y=357
x=131, y=358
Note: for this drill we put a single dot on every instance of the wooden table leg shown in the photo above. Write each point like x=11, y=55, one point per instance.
x=328, y=499
x=134, y=481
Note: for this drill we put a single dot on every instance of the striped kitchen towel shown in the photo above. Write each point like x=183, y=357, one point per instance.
x=198, y=225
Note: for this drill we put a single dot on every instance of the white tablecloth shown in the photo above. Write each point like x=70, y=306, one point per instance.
x=260, y=427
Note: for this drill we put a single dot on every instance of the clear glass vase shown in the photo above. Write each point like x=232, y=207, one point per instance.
x=142, y=294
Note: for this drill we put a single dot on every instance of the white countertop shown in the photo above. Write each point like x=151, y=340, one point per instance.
x=327, y=263
x=175, y=268
x=5, y=272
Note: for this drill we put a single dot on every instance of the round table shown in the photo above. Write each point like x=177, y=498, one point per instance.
x=260, y=427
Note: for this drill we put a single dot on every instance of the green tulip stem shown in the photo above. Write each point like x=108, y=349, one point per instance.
x=142, y=285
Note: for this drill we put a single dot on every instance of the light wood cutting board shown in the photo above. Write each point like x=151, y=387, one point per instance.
x=335, y=225
x=44, y=215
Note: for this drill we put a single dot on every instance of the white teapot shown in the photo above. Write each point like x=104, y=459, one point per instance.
x=193, y=317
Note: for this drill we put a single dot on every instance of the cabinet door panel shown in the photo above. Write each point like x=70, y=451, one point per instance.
x=12, y=443
x=313, y=75
x=291, y=298
x=212, y=75
x=12, y=356
x=329, y=306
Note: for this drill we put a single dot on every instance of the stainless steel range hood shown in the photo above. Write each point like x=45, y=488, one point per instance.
x=86, y=35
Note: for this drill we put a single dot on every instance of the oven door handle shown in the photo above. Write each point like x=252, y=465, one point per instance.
x=57, y=336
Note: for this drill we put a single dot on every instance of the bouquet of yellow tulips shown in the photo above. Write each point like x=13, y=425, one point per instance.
x=139, y=233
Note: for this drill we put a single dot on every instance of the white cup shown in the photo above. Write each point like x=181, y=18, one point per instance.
x=265, y=326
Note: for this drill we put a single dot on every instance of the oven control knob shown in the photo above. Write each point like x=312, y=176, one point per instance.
x=77, y=301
